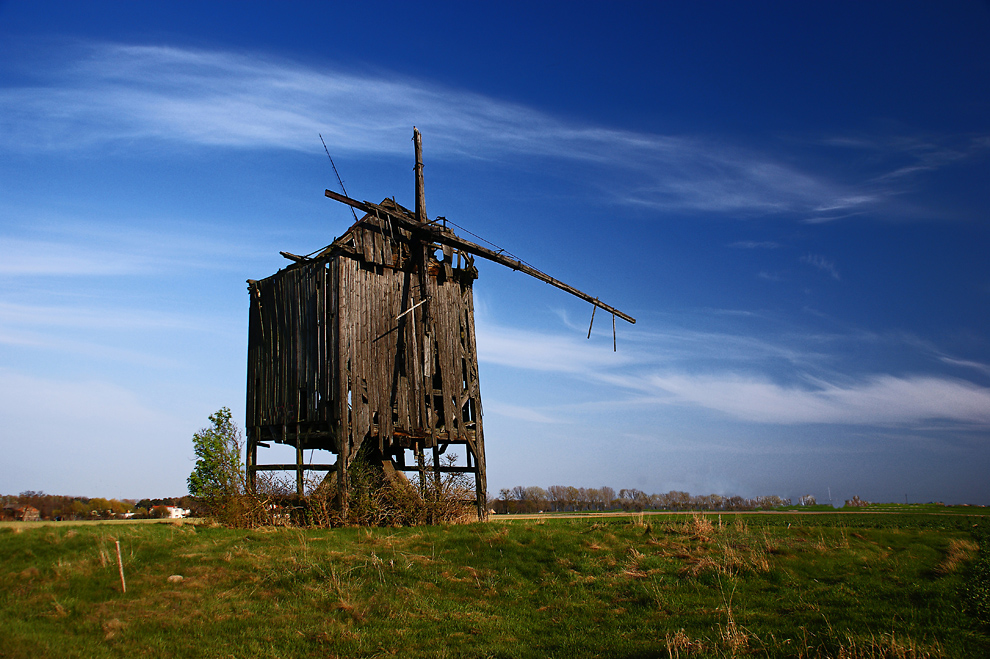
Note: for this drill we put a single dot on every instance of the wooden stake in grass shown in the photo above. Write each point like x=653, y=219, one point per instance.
x=120, y=564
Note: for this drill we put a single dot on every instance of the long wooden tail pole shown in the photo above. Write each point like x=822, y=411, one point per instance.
x=420, y=192
x=438, y=234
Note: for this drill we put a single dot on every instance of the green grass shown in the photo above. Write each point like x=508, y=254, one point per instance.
x=783, y=585
x=816, y=508
x=933, y=508
x=93, y=522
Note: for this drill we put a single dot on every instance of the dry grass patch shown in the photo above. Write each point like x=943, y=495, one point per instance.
x=112, y=628
x=355, y=610
x=888, y=646
x=682, y=645
x=960, y=551
x=702, y=528
x=726, y=559
x=498, y=537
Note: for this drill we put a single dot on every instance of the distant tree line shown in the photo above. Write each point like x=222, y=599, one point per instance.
x=566, y=498
x=61, y=507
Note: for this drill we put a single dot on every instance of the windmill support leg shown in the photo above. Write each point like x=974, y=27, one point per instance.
x=342, y=484
x=482, y=497
x=421, y=464
x=300, y=461
x=251, y=459
x=480, y=488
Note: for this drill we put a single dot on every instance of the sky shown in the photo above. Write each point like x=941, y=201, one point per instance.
x=790, y=198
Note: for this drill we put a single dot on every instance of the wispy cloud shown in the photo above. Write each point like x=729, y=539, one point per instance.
x=755, y=244
x=544, y=352
x=83, y=248
x=48, y=258
x=936, y=353
x=95, y=318
x=966, y=363
x=823, y=216
x=925, y=155
x=822, y=264
x=520, y=412
x=743, y=378
x=889, y=169
x=877, y=400
x=110, y=332
x=75, y=347
x=127, y=96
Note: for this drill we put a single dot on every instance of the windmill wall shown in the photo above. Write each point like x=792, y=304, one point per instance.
x=368, y=346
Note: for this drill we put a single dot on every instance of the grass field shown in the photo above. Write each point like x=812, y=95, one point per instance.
x=90, y=522
x=780, y=585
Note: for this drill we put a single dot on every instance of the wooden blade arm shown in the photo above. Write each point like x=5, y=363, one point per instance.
x=478, y=250
x=366, y=206
x=438, y=235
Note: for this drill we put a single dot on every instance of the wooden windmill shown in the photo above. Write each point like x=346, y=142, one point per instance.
x=369, y=346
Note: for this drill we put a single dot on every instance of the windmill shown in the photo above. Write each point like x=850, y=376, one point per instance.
x=368, y=346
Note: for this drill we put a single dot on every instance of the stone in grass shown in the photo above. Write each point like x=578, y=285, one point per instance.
x=175, y=578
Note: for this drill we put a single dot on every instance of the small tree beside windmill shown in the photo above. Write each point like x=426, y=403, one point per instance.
x=366, y=349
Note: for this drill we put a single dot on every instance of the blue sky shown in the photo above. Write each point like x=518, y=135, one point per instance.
x=790, y=198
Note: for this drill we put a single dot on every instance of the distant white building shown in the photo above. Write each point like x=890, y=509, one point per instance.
x=174, y=512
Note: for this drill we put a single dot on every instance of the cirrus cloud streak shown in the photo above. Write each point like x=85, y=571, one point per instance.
x=137, y=96
x=653, y=373
x=875, y=400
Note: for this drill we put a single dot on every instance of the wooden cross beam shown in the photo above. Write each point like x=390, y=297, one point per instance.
x=437, y=234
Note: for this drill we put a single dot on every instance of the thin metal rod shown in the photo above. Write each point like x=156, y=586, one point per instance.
x=594, y=308
x=613, y=333
x=337, y=173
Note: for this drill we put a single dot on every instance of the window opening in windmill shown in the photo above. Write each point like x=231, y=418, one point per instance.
x=368, y=346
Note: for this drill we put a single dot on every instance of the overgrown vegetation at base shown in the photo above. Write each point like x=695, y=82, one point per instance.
x=376, y=500
x=844, y=585
x=373, y=500
x=220, y=489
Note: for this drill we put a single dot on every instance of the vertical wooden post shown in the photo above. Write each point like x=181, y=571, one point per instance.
x=420, y=194
x=300, y=461
x=480, y=485
x=436, y=465
x=120, y=564
x=343, y=482
x=421, y=464
x=251, y=460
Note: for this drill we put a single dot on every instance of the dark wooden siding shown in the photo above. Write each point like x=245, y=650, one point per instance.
x=371, y=341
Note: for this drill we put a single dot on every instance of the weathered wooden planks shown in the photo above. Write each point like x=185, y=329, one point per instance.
x=370, y=342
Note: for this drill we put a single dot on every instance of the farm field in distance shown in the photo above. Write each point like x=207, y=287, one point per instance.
x=885, y=584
